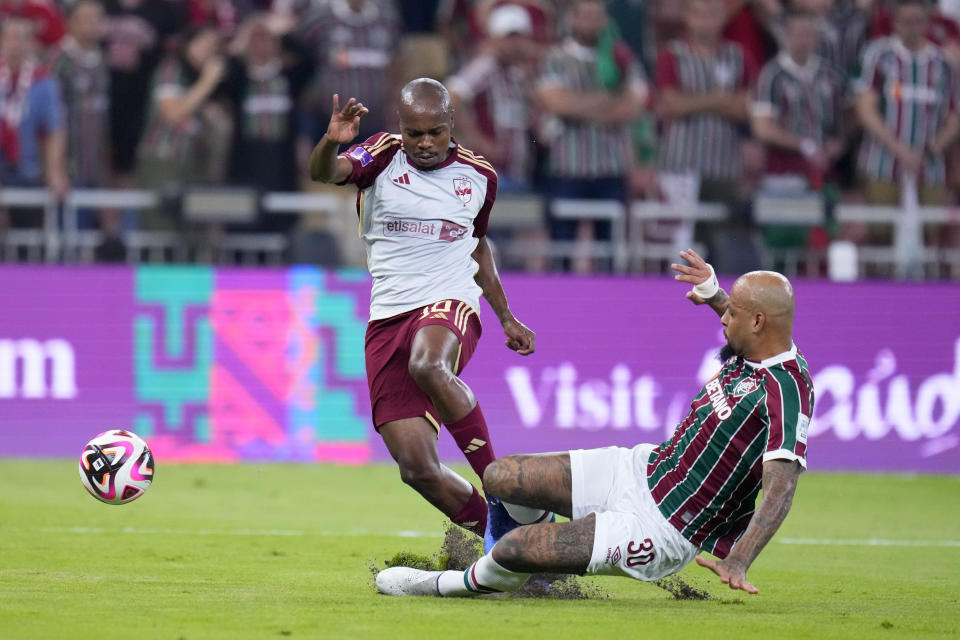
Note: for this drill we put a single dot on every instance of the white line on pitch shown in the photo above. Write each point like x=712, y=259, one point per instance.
x=867, y=542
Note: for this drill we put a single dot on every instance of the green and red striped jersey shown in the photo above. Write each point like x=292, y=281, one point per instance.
x=705, y=479
x=916, y=90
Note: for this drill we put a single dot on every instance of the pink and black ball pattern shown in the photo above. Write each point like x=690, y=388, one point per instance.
x=116, y=467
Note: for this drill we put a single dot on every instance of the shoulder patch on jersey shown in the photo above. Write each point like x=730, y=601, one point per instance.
x=362, y=155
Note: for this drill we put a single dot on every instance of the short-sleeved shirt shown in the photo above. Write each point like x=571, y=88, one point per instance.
x=917, y=91
x=805, y=100
x=420, y=227
x=580, y=148
x=706, y=478
x=704, y=143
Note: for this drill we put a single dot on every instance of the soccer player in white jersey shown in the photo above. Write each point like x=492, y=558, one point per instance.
x=647, y=512
x=423, y=203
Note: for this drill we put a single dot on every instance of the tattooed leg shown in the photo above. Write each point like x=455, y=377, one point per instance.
x=542, y=481
x=551, y=547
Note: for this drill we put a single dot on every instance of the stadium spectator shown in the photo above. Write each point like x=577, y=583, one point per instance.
x=906, y=100
x=138, y=34
x=851, y=18
x=797, y=111
x=184, y=127
x=942, y=29
x=355, y=42
x=491, y=97
x=32, y=130
x=593, y=88
x=704, y=84
x=828, y=43
x=265, y=79
x=84, y=77
x=48, y=26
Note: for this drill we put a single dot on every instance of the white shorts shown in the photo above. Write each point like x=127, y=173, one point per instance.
x=633, y=538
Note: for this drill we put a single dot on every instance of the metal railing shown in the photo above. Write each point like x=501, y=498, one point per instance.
x=59, y=237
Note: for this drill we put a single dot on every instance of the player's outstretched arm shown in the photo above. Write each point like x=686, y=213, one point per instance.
x=519, y=337
x=325, y=165
x=700, y=274
x=779, y=484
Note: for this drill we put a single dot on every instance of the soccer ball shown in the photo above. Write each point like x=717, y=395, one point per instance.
x=116, y=467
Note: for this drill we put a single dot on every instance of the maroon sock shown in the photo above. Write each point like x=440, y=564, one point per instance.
x=473, y=516
x=471, y=435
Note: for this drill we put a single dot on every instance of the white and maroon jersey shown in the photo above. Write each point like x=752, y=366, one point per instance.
x=705, y=479
x=420, y=226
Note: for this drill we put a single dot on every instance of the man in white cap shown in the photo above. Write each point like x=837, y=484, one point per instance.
x=491, y=96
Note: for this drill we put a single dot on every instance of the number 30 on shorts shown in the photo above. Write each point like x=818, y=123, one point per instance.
x=639, y=553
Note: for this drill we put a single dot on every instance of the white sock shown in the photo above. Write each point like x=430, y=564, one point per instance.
x=525, y=515
x=483, y=576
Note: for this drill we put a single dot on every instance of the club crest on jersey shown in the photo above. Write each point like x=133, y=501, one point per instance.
x=745, y=386
x=463, y=188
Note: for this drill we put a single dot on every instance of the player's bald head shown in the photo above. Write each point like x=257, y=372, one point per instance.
x=425, y=96
x=766, y=292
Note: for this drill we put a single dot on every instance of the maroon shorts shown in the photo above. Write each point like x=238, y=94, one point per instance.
x=394, y=395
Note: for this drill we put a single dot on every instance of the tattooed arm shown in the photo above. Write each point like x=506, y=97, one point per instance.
x=779, y=484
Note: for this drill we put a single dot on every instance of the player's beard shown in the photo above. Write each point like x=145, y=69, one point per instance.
x=727, y=352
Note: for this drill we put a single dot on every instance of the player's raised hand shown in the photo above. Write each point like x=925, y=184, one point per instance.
x=345, y=123
x=695, y=272
x=519, y=337
x=736, y=578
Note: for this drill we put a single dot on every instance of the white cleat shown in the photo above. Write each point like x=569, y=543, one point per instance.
x=404, y=581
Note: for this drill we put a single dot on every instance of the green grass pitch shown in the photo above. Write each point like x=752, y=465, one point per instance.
x=278, y=551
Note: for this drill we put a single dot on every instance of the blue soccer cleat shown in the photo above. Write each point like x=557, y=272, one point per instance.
x=500, y=522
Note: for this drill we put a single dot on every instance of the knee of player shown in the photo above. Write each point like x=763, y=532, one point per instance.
x=428, y=372
x=494, y=477
x=420, y=475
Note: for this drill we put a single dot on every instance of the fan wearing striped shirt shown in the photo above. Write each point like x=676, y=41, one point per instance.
x=906, y=98
x=647, y=512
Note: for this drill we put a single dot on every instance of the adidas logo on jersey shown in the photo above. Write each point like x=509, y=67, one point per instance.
x=404, y=179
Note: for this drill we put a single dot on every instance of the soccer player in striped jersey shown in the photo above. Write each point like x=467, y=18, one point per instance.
x=907, y=102
x=423, y=203
x=647, y=512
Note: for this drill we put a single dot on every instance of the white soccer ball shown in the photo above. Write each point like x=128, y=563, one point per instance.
x=116, y=467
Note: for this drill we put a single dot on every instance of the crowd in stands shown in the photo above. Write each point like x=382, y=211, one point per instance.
x=683, y=101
